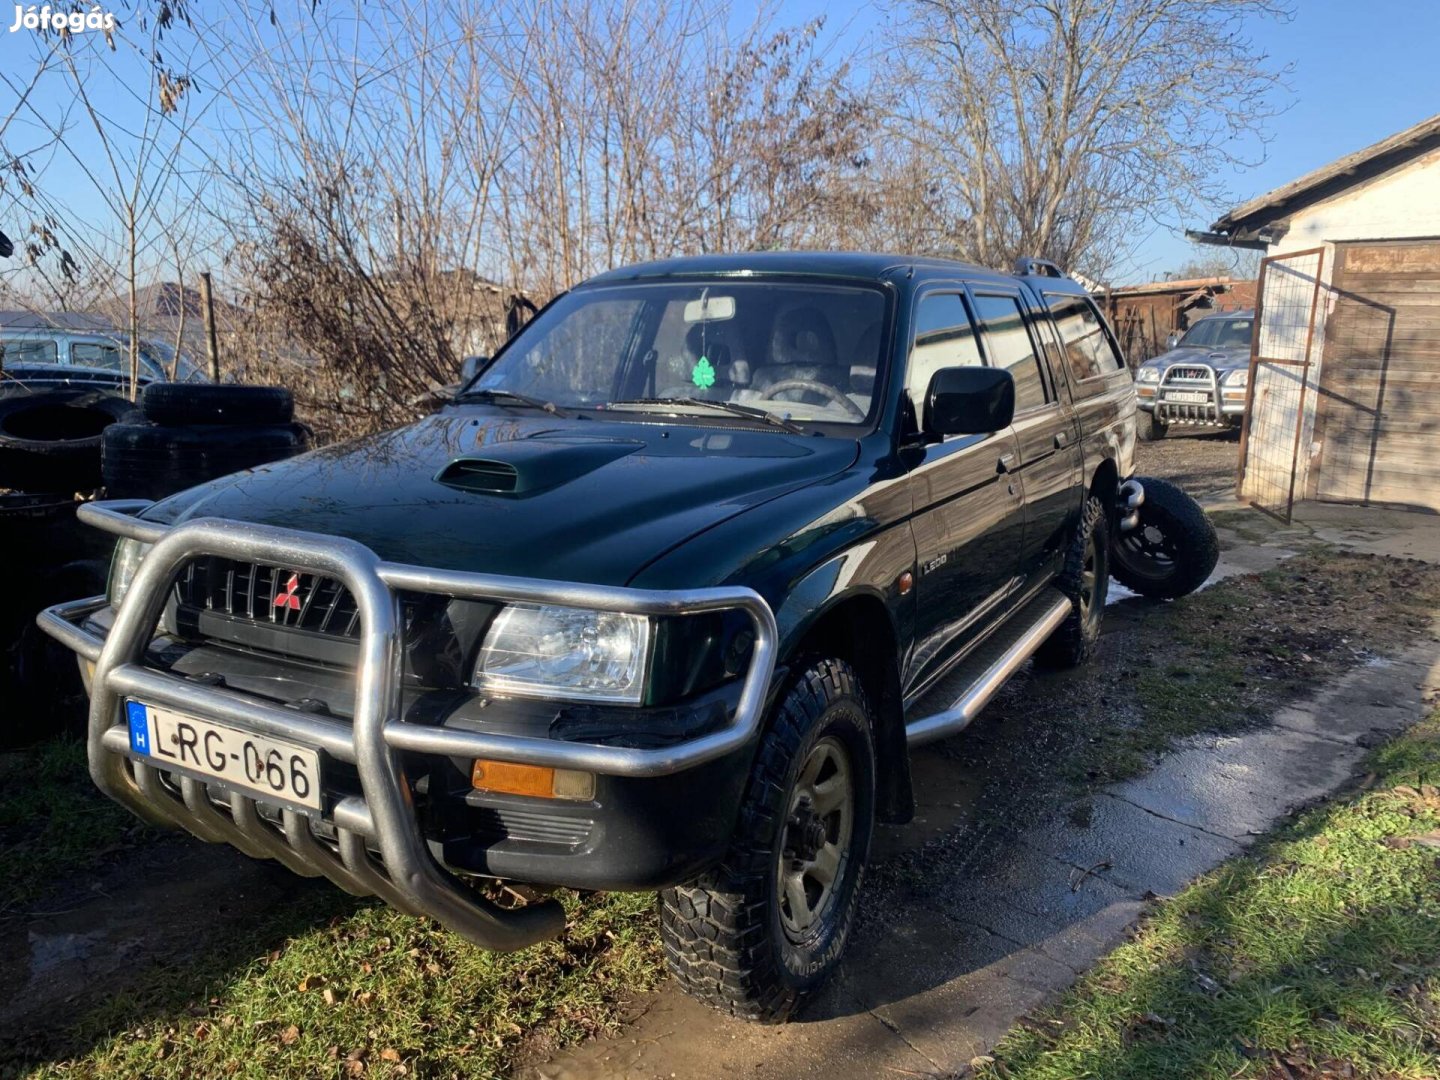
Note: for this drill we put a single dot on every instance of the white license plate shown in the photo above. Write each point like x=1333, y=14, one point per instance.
x=1188, y=397
x=269, y=768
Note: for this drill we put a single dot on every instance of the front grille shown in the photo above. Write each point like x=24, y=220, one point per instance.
x=1194, y=373
x=269, y=594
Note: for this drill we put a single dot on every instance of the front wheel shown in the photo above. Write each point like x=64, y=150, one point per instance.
x=767, y=926
x=1147, y=428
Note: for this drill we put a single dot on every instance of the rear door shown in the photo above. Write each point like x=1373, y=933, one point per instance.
x=1047, y=437
x=969, y=518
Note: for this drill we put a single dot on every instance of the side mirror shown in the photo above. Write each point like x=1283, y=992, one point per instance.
x=472, y=366
x=969, y=401
x=1172, y=341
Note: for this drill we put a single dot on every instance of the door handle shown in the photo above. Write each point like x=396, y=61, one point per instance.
x=1062, y=440
x=1006, y=463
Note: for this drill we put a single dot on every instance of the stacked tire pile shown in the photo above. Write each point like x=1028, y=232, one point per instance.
x=58, y=445
x=188, y=433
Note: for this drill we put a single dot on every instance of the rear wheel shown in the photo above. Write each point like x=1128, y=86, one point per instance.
x=1173, y=548
x=1085, y=578
x=767, y=927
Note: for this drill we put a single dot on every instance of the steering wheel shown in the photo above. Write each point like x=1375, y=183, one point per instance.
x=823, y=389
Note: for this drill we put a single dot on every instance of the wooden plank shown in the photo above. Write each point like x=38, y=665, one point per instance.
x=1388, y=258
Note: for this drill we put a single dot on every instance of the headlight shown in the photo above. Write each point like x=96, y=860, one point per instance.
x=544, y=651
x=123, y=565
x=1147, y=374
x=1237, y=378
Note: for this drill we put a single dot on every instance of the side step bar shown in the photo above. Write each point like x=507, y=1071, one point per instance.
x=960, y=695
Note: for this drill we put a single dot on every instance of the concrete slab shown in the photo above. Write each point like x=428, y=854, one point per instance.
x=1144, y=852
x=1237, y=786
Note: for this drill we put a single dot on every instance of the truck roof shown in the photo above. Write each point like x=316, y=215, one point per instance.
x=866, y=266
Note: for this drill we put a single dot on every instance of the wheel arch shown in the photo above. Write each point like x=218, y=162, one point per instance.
x=859, y=628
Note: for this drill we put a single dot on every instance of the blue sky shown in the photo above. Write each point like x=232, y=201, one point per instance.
x=1359, y=73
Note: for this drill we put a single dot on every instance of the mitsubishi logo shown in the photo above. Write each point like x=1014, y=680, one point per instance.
x=286, y=597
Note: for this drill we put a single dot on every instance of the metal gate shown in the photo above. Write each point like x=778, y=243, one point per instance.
x=1286, y=301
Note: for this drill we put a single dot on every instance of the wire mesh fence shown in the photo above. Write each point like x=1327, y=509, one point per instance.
x=1280, y=369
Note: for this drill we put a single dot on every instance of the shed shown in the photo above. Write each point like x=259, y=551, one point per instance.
x=1345, y=370
x=1144, y=316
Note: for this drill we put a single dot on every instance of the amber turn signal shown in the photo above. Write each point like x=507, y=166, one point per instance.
x=539, y=781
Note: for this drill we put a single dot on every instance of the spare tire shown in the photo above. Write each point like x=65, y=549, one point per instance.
x=51, y=441
x=148, y=461
x=1172, y=549
x=206, y=403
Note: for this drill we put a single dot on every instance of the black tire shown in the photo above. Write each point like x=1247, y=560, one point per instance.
x=147, y=461
x=51, y=441
x=181, y=404
x=1085, y=578
x=1173, y=549
x=735, y=939
x=48, y=696
x=1147, y=428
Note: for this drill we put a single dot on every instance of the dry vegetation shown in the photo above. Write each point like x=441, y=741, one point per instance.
x=372, y=184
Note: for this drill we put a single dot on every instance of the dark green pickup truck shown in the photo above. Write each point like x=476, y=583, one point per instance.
x=658, y=602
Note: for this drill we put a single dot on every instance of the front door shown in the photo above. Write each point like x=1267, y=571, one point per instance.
x=969, y=522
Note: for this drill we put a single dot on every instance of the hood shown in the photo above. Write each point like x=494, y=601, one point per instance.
x=1220, y=359
x=469, y=489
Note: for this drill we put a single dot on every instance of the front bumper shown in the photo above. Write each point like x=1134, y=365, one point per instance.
x=371, y=843
x=1191, y=393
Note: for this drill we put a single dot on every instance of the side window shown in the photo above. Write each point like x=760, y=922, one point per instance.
x=944, y=337
x=1088, y=348
x=1008, y=344
x=28, y=352
x=105, y=357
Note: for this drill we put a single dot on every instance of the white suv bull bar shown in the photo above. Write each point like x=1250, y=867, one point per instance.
x=383, y=818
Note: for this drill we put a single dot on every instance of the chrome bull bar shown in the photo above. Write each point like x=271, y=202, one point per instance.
x=383, y=818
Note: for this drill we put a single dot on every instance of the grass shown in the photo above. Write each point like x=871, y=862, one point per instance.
x=1317, y=955
x=371, y=992
x=53, y=822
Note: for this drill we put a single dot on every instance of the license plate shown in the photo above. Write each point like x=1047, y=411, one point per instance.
x=1188, y=397
x=270, y=768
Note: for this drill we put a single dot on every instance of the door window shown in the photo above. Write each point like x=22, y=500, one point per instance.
x=1088, y=347
x=27, y=352
x=1008, y=344
x=944, y=337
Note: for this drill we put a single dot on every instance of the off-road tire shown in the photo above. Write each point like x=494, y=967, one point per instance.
x=51, y=441
x=207, y=403
x=1147, y=428
x=150, y=461
x=1173, y=549
x=1085, y=579
x=723, y=935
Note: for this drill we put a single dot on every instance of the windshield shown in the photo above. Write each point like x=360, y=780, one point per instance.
x=722, y=349
x=1219, y=334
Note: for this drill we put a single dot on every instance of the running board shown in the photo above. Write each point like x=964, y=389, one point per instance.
x=962, y=693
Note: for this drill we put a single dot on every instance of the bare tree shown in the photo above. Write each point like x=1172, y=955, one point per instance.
x=128, y=143
x=1060, y=125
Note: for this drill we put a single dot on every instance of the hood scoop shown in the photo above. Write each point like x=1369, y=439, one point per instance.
x=477, y=474
x=526, y=466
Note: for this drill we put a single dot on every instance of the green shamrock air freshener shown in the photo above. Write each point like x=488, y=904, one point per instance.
x=703, y=374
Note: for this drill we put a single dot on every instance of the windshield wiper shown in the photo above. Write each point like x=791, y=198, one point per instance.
x=734, y=409
x=519, y=399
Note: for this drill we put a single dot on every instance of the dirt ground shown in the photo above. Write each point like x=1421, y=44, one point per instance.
x=1200, y=460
